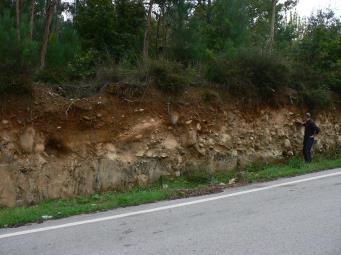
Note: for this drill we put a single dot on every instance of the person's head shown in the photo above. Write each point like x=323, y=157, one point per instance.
x=307, y=116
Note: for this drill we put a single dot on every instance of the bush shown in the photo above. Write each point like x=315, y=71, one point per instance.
x=16, y=58
x=318, y=98
x=83, y=65
x=169, y=77
x=251, y=75
x=15, y=79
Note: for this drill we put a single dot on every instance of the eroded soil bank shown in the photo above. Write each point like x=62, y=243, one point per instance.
x=54, y=147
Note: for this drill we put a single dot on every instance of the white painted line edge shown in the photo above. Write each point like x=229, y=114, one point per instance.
x=162, y=208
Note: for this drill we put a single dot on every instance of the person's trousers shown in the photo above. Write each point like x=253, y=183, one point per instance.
x=307, y=145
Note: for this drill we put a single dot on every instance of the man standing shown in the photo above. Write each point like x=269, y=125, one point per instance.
x=310, y=130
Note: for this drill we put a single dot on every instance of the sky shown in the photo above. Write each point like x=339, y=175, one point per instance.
x=306, y=7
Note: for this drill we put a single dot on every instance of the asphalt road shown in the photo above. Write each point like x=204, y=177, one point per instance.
x=300, y=215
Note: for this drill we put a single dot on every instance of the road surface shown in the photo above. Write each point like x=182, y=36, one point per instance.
x=300, y=216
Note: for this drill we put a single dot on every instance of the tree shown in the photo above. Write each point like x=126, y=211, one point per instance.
x=272, y=26
x=31, y=16
x=147, y=32
x=49, y=14
x=18, y=14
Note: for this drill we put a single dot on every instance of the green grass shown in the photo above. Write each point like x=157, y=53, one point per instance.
x=291, y=168
x=164, y=189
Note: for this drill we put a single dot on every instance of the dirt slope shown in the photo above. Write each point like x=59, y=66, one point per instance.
x=52, y=146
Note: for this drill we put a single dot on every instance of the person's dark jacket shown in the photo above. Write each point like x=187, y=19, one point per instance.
x=310, y=129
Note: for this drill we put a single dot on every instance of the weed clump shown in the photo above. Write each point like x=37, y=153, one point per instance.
x=200, y=174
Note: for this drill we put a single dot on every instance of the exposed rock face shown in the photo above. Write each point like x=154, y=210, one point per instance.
x=27, y=140
x=35, y=167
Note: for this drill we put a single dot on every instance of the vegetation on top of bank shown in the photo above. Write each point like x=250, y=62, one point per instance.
x=252, y=49
x=193, y=182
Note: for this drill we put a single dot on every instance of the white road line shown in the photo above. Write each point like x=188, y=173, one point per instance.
x=162, y=208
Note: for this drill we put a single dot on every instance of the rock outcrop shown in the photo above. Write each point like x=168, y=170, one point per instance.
x=39, y=162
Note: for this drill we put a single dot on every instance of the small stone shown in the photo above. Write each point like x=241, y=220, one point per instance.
x=232, y=181
x=164, y=155
x=234, y=153
x=86, y=118
x=59, y=127
x=140, y=154
x=149, y=154
x=99, y=115
x=188, y=122
x=39, y=148
x=287, y=144
x=198, y=127
x=165, y=186
x=177, y=173
x=46, y=217
x=138, y=137
x=338, y=141
x=5, y=122
x=142, y=180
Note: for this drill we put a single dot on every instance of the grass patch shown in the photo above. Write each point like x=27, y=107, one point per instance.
x=165, y=188
x=293, y=167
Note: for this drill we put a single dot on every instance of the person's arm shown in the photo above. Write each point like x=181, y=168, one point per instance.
x=316, y=129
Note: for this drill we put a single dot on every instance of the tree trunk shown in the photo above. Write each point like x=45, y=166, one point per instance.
x=17, y=10
x=157, y=35
x=272, y=26
x=32, y=7
x=49, y=15
x=162, y=28
x=146, y=32
x=209, y=7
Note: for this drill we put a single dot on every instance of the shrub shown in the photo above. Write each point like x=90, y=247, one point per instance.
x=16, y=58
x=318, y=98
x=83, y=65
x=251, y=75
x=14, y=79
x=169, y=77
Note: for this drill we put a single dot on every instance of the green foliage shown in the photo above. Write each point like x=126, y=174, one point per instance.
x=318, y=98
x=169, y=77
x=83, y=65
x=17, y=58
x=63, y=46
x=114, y=29
x=255, y=76
x=188, y=40
x=320, y=48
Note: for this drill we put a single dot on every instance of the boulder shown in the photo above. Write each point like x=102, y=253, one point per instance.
x=142, y=180
x=287, y=144
x=26, y=140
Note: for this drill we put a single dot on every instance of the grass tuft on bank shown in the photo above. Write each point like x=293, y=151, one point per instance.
x=165, y=188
